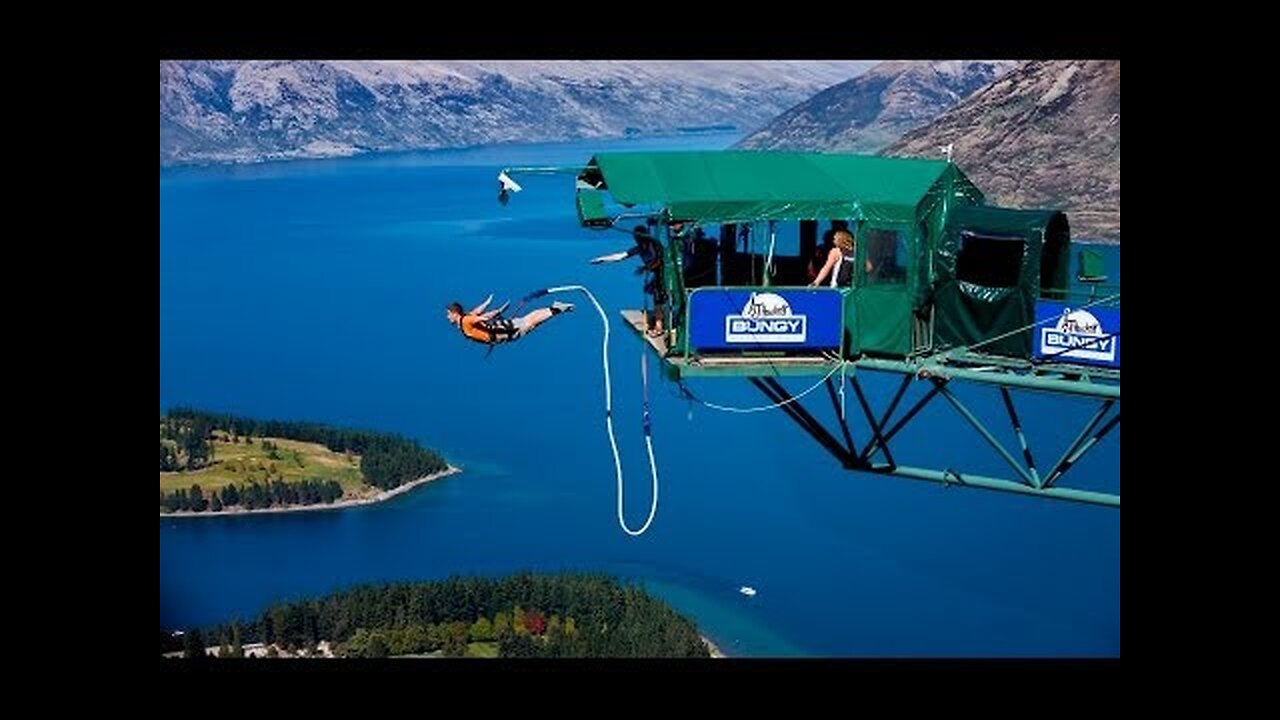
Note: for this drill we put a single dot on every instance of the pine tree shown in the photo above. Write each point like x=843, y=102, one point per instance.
x=482, y=630
x=193, y=645
x=501, y=625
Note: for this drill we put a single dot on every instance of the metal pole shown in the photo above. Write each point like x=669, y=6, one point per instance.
x=1088, y=428
x=1115, y=420
x=977, y=424
x=902, y=390
x=818, y=433
x=1022, y=439
x=867, y=452
x=871, y=420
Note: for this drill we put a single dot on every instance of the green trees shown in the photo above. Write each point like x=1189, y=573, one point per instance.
x=279, y=626
x=193, y=645
x=519, y=646
x=172, y=503
x=196, y=499
x=501, y=626
x=482, y=630
x=168, y=458
x=190, y=440
x=195, y=443
x=455, y=639
x=237, y=649
x=413, y=639
x=390, y=461
x=571, y=615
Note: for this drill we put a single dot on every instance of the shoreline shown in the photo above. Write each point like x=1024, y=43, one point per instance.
x=337, y=505
x=716, y=652
x=300, y=154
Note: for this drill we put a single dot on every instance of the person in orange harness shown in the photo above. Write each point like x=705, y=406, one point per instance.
x=491, y=328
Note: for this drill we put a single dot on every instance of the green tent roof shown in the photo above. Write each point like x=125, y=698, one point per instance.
x=731, y=185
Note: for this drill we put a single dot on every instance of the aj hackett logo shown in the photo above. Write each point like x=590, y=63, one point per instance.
x=1078, y=334
x=766, y=318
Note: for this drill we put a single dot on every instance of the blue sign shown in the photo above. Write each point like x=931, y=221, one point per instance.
x=765, y=318
x=1066, y=334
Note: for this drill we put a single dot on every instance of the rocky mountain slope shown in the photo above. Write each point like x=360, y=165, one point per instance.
x=868, y=112
x=1045, y=135
x=244, y=111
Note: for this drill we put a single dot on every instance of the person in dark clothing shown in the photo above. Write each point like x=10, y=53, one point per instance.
x=819, y=258
x=649, y=250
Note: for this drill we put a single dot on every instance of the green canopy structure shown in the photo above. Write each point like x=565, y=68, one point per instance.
x=737, y=186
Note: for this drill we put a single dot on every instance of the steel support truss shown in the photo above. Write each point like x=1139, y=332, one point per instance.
x=876, y=455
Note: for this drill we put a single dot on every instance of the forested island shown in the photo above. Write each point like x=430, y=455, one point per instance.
x=572, y=615
x=218, y=463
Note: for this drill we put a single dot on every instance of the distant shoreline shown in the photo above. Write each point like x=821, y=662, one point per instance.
x=716, y=652
x=289, y=156
x=338, y=505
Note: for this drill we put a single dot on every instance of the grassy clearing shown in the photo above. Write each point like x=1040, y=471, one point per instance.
x=482, y=649
x=292, y=461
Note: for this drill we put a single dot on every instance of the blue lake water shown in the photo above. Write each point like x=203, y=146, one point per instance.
x=315, y=290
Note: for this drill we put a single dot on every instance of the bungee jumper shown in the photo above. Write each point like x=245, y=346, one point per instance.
x=492, y=328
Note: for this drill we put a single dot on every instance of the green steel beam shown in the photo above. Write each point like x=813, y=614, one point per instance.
x=1008, y=379
x=950, y=477
x=868, y=453
x=871, y=421
x=776, y=393
x=1066, y=455
x=1079, y=453
x=982, y=430
x=759, y=369
x=884, y=419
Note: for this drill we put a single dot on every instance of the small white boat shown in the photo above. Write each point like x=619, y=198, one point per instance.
x=747, y=590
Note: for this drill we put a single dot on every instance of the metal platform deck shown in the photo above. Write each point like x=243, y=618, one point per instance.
x=761, y=365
